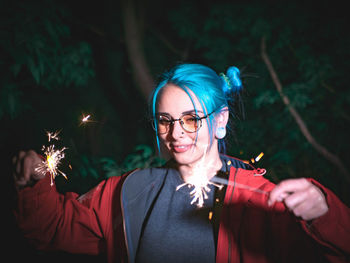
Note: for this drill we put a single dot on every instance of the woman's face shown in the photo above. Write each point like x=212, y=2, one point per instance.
x=174, y=102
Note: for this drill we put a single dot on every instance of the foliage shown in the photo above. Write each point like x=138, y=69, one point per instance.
x=37, y=51
x=312, y=76
x=48, y=67
x=90, y=169
x=142, y=157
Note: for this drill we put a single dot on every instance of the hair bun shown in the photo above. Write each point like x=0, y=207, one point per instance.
x=232, y=81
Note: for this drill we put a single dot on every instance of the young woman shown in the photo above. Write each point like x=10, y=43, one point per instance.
x=195, y=208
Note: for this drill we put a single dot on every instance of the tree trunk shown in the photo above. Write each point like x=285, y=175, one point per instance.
x=300, y=122
x=133, y=40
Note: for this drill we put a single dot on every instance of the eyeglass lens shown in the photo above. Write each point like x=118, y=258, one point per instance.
x=189, y=122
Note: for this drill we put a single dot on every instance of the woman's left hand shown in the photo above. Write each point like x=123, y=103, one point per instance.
x=301, y=197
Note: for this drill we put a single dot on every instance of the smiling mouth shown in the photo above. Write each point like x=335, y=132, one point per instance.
x=181, y=148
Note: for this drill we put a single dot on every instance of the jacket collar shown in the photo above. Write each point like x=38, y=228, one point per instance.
x=138, y=193
x=141, y=188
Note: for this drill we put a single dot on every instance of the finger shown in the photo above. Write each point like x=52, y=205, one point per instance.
x=295, y=199
x=37, y=160
x=21, y=182
x=18, y=164
x=276, y=198
x=29, y=164
x=309, y=211
x=307, y=204
x=285, y=188
x=304, y=210
x=14, y=161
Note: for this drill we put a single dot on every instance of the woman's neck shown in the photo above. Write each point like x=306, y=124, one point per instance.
x=204, y=168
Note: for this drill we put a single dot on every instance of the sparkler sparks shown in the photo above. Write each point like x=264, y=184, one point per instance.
x=52, y=160
x=53, y=135
x=200, y=182
x=200, y=189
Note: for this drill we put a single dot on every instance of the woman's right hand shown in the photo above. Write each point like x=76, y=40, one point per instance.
x=24, y=168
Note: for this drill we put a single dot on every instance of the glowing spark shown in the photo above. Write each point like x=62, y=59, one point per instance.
x=210, y=215
x=52, y=160
x=200, y=189
x=254, y=160
x=259, y=157
x=199, y=181
x=85, y=118
x=52, y=135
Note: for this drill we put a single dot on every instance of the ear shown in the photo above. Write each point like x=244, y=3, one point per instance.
x=221, y=118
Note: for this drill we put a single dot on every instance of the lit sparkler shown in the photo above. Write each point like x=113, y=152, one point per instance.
x=200, y=182
x=52, y=160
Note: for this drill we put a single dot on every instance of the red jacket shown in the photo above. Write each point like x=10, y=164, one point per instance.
x=108, y=219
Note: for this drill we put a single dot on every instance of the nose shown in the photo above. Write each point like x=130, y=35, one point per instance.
x=176, y=130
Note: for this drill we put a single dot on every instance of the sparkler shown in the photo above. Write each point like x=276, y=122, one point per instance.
x=54, y=156
x=200, y=189
x=238, y=185
x=200, y=182
x=52, y=160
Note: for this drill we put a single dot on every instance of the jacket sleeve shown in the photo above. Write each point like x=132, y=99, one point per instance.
x=332, y=230
x=52, y=221
x=328, y=235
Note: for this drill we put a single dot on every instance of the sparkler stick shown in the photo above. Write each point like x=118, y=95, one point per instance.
x=238, y=185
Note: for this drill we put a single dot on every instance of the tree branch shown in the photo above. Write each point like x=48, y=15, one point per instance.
x=300, y=122
x=182, y=53
x=133, y=40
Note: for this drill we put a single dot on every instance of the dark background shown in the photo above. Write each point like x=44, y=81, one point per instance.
x=62, y=60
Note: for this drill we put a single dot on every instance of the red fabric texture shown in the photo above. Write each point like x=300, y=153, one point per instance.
x=250, y=230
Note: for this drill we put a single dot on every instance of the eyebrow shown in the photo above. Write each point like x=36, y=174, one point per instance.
x=192, y=111
x=183, y=113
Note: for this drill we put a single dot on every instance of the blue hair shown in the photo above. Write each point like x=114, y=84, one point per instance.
x=212, y=91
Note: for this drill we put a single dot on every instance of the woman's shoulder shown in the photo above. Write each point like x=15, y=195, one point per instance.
x=248, y=174
x=236, y=162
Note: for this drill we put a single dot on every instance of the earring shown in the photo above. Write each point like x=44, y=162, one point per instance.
x=220, y=132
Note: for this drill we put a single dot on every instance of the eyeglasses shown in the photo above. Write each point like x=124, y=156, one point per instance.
x=189, y=122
